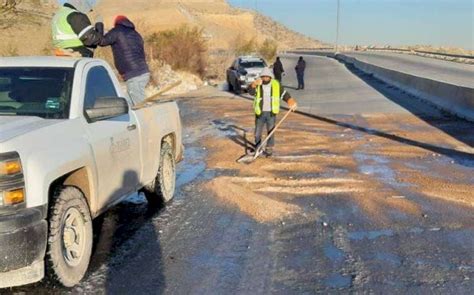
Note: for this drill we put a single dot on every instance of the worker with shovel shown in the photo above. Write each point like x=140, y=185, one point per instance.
x=268, y=93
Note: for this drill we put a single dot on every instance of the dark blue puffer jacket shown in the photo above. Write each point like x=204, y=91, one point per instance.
x=128, y=49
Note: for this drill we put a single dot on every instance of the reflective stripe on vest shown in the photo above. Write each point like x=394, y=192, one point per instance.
x=276, y=97
x=63, y=35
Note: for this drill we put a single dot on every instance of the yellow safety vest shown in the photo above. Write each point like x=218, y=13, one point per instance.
x=63, y=35
x=276, y=96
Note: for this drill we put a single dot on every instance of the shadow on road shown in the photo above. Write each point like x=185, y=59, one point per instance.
x=445, y=122
x=461, y=158
x=115, y=247
x=238, y=135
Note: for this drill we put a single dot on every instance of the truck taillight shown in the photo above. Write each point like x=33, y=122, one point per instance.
x=12, y=183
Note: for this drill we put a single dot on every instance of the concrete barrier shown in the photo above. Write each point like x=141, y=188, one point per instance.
x=455, y=99
x=317, y=53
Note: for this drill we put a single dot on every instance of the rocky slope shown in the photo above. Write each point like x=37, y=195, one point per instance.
x=26, y=30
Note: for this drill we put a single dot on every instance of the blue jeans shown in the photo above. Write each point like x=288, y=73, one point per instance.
x=136, y=88
x=300, y=77
x=265, y=119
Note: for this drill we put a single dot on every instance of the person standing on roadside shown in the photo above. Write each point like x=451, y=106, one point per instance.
x=278, y=69
x=129, y=57
x=268, y=93
x=300, y=69
x=72, y=31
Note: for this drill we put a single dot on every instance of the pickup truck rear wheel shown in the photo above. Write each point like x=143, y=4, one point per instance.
x=231, y=87
x=70, y=237
x=162, y=189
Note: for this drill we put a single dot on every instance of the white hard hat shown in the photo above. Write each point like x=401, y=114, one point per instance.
x=267, y=72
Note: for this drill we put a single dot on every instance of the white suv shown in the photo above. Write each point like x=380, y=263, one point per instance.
x=243, y=71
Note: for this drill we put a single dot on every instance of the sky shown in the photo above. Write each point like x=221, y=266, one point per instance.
x=376, y=22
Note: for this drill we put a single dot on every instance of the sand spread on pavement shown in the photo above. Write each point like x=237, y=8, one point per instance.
x=316, y=159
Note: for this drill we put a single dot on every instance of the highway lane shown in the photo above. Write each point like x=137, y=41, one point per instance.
x=331, y=88
x=336, y=90
x=435, y=69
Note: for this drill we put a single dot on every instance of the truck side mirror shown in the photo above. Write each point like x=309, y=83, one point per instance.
x=107, y=107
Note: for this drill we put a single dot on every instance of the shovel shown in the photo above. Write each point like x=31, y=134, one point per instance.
x=247, y=159
x=156, y=96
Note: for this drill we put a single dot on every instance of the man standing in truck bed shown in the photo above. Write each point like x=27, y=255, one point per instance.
x=129, y=57
x=72, y=31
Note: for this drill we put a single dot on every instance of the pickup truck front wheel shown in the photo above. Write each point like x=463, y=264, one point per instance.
x=162, y=189
x=70, y=237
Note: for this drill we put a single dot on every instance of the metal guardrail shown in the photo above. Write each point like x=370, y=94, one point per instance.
x=396, y=50
x=312, y=49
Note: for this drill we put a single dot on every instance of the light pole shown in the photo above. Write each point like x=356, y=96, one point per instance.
x=337, y=25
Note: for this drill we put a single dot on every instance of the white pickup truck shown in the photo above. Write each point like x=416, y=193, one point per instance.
x=70, y=148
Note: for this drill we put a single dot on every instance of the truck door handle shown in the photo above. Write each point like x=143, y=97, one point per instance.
x=131, y=127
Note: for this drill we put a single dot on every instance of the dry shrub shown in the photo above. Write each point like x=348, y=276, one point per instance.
x=219, y=61
x=268, y=49
x=242, y=46
x=184, y=49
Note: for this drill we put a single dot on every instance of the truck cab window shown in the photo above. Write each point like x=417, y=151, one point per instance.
x=98, y=84
x=36, y=91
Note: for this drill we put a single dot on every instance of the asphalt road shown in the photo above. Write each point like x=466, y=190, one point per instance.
x=372, y=192
x=435, y=69
x=332, y=88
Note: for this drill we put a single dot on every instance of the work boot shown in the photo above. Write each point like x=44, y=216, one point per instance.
x=269, y=152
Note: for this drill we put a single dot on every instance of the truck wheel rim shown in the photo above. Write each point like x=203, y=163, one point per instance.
x=73, y=238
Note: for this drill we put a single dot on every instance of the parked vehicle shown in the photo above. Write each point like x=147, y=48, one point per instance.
x=70, y=148
x=243, y=71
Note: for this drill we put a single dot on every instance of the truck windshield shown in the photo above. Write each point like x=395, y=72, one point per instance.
x=252, y=64
x=41, y=92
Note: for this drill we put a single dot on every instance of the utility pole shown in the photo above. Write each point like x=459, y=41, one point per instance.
x=337, y=25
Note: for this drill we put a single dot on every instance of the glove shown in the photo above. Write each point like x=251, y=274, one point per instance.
x=99, y=27
x=256, y=83
x=292, y=104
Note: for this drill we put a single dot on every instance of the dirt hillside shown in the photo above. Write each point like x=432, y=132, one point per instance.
x=220, y=21
x=26, y=31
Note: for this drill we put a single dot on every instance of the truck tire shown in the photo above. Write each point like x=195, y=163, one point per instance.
x=231, y=87
x=70, y=237
x=162, y=189
x=237, y=88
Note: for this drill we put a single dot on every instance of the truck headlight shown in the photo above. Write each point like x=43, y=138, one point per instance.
x=242, y=78
x=12, y=183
